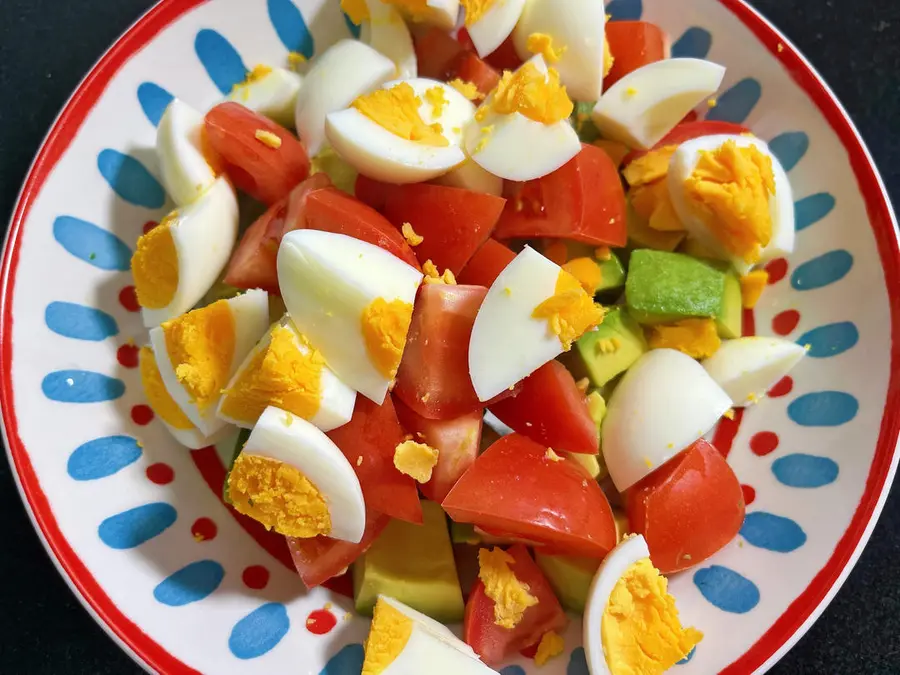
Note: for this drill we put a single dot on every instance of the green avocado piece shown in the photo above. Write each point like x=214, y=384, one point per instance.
x=581, y=120
x=664, y=287
x=570, y=578
x=612, y=273
x=730, y=320
x=464, y=533
x=238, y=447
x=602, y=354
x=413, y=564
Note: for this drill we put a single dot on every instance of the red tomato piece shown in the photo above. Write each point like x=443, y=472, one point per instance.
x=373, y=192
x=494, y=643
x=454, y=222
x=687, y=509
x=583, y=200
x=469, y=68
x=436, y=51
x=516, y=487
x=456, y=440
x=505, y=56
x=264, y=172
x=552, y=411
x=633, y=44
x=368, y=442
x=688, y=131
x=487, y=263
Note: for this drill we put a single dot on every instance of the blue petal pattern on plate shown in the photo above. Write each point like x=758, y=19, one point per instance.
x=726, y=589
x=577, y=663
x=830, y=340
x=687, y=659
x=822, y=271
x=773, y=533
x=260, y=631
x=823, y=409
x=736, y=104
x=291, y=27
x=355, y=30
x=810, y=210
x=695, y=44
x=805, y=471
x=190, y=584
x=130, y=179
x=512, y=670
x=81, y=386
x=348, y=661
x=625, y=10
x=103, y=457
x=92, y=244
x=154, y=100
x=132, y=528
x=220, y=59
x=789, y=148
x=79, y=322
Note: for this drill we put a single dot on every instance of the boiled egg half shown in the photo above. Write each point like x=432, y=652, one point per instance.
x=382, y=27
x=440, y=13
x=746, y=368
x=490, y=22
x=272, y=92
x=183, y=160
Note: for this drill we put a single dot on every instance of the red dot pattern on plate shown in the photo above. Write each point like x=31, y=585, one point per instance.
x=204, y=529
x=128, y=299
x=149, y=225
x=783, y=387
x=320, y=622
x=160, y=473
x=777, y=270
x=128, y=356
x=786, y=322
x=749, y=494
x=255, y=577
x=764, y=443
x=142, y=414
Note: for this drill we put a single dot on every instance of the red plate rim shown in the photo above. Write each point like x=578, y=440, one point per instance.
x=786, y=630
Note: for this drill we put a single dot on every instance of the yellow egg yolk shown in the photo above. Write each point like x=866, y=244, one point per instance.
x=415, y=459
x=397, y=110
x=388, y=636
x=384, y=327
x=412, y=237
x=511, y=597
x=154, y=265
x=541, y=43
x=570, y=312
x=729, y=191
x=436, y=98
x=279, y=496
x=529, y=92
x=752, y=286
x=551, y=644
x=616, y=151
x=158, y=396
x=467, y=89
x=433, y=275
x=356, y=10
x=650, y=191
x=608, y=58
x=200, y=345
x=587, y=272
x=416, y=9
x=640, y=630
x=698, y=338
x=476, y=9
x=282, y=374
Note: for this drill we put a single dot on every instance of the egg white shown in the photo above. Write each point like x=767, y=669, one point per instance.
x=440, y=13
x=186, y=174
x=273, y=95
x=495, y=25
x=746, y=368
x=387, y=32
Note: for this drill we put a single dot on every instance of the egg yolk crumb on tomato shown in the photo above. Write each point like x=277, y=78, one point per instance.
x=588, y=273
x=541, y=43
x=356, y=10
x=416, y=460
x=729, y=191
x=279, y=496
x=467, y=89
x=438, y=100
x=267, y=138
x=570, y=312
x=433, y=275
x=384, y=327
x=200, y=345
x=650, y=191
x=529, y=92
x=476, y=9
x=158, y=396
x=412, y=238
x=154, y=265
x=752, y=286
x=511, y=597
x=640, y=629
x=388, y=636
x=698, y=338
x=552, y=644
x=608, y=58
x=397, y=110
x=282, y=374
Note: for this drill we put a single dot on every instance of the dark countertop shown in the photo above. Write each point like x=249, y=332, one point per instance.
x=46, y=47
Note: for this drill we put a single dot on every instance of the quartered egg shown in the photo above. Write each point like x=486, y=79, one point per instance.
x=183, y=159
x=179, y=260
x=346, y=71
x=490, y=22
x=543, y=306
x=293, y=479
x=382, y=27
x=285, y=371
x=665, y=402
x=522, y=131
x=440, y=13
x=271, y=92
x=408, y=132
x=354, y=303
x=199, y=352
x=746, y=368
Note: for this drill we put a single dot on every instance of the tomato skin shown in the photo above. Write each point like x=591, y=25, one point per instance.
x=373, y=433
x=493, y=643
x=485, y=266
x=688, y=131
x=265, y=173
x=505, y=56
x=436, y=52
x=373, y=192
x=633, y=44
x=687, y=509
x=552, y=411
x=454, y=222
x=468, y=67
x=514, y=487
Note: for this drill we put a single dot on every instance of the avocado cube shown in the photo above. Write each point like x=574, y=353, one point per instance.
x=464, y=533
x=413, y=564
x=730, y=320
x=570, y=578
x=612, y=273
x=602, y=354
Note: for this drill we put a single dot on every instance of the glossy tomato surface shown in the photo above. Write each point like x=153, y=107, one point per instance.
x=486, y=264
x=633, y=44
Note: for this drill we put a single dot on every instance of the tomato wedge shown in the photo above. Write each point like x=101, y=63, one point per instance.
x=372, y=192
x=264, y=172
x=487, y=263
x=552, y=411
x=633, y=44
x=687, y=509
x=468, y=67
x=494, y=643
x=583, y=200
x=516, y=487
x=436, y=51
x=368, y=442
x=688, y=131
x=454, y=222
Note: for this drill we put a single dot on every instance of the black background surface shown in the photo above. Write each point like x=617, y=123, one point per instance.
x=46, y=47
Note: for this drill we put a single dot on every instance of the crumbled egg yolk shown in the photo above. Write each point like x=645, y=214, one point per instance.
x=541, y=43
x=384, y=327
x=552, y=644
x=158, y=396
x=433, y=275
x=650, y=191
x=467, y=89
x=418, y=10
x=268, y=139
x=388, y=636
x=295, y=60
x=416, y=460
x=476, y=9
x=529, y=92
x=616, y=151
x=412, y=238
x=570, y=312
x=255, y=75
x=356, y=10
x=608, y=58
x=281, y=374
x=607, y=345
x=279, y=496
x=698, y=338
x=200, y=345
x=640, y=630
x=438, y=100
x=729, y=191
x=154, y=265
x=588, y=273
x=511, y=597
x=752, y=286
x=397, y=110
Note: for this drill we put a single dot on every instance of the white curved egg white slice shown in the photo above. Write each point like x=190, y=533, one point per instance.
x=470, y=176
x=387, y=32
x=781, y=205
x=381, y=154
x=665, y=402
x=578, y=29
x=273, y=94
x=347, y=70
x=495, y=25
x=440, y=13
x=328, y=283
x=204, y=234
x=186, y=174
x=294, y=441
x=250, y=314
x=746, y=368
x=646, y=104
